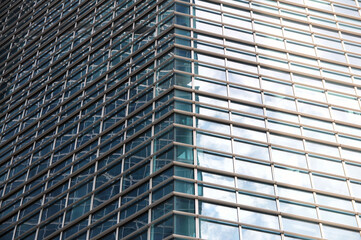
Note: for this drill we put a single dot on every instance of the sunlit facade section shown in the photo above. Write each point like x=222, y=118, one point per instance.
x=180, y=119
x=274, y=97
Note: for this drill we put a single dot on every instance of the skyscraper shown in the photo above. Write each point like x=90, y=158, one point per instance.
x=179, y=119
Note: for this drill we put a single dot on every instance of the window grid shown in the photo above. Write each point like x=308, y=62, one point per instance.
x=119, y=134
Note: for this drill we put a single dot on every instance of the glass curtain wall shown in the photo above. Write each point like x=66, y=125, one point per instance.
x=180, y=119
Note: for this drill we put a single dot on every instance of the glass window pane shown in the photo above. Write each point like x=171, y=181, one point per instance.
x=259, y=219
x=258, y=235
x=298, y=209
x=280, y=101
x=286, y=141
x=214, y=160
x=215, y=193
x=292, y=176
x=334, y=233
x=255, y=186
x=215, y=178
x=249, y=133
x=301, y=227
x=244, y=79
x=210, y=86
x=338, y=217
x=281, y=87
x=322, y=148
x=251, y=150
x=257, y=201
x=253, y=169
x=319, y=163
x=295, y=194
x=289, y=157
x=218, y=231
x=247, y=119
x=245, y=94
x=217, y=211
x=334, y=202
x=212, y=126
x=330, y=184
x=213, y=142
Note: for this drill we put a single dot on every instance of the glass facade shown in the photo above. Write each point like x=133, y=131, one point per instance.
x=180, y=119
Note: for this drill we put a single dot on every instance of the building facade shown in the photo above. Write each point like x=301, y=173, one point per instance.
x=180, y=119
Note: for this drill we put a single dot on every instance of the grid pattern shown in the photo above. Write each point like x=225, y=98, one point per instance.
x=180, y=119
x=79, y=117
x=275, y=106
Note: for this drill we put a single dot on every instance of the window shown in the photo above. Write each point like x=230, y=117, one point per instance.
x=343, y=100
x=304, y=68
x=249, y=149
x=323, y=135
x=237, y=21
x=235, y=10
x=241, y=65
x=214, y=160
x=215, y=178
x=245, y=94
x=307, y=80
x=286, y=141
x=269, y=41
x=313, y=109
x=334, y=233
x=208, y=47
x=241, y=54
x=292, y=176
x=316, y=123
x=328, y=42
x=331, y=55
x=266, y=28
x=249, y=133
x=258, y=235
x=212, y=112
x=217, y=230
x=237, y=33
x=319, y=163
x=208, y=59
x=310, y=93
x=280, y=101
x=322, y=148
x=254, y=186
x=346, y=10
x=329, y=184
x=207, y=26
x=319, y=4
x=243, y=78
x=298, y=209
x=293, y=34
x=213, y=142
x=347, y=140
x=253, y=168
x=259, y=219
x=210, y=86
x=334, y=202
x=289, y=157
x=210, y=71
x=248, y=119
x=338, y=217
x=208, y=14
x=216, y=193
x=295, y=194
x=301, y=227
x=257, y=201
x=217, y=211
